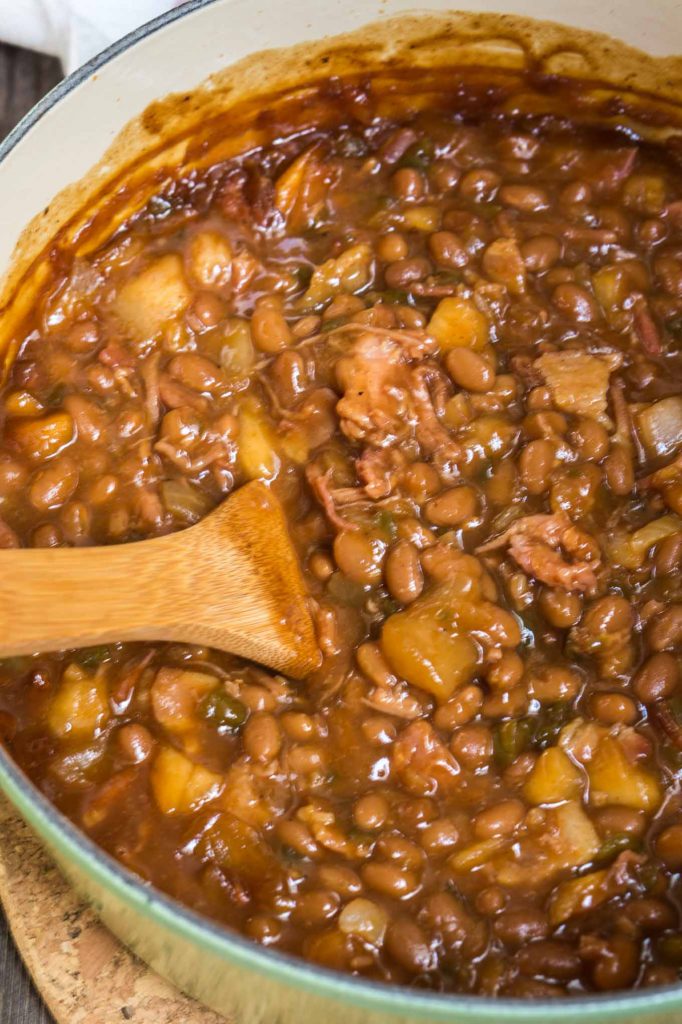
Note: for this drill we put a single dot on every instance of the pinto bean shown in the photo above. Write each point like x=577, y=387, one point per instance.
x=403, y=572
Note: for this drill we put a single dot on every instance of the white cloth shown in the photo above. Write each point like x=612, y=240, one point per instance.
x=74, y=30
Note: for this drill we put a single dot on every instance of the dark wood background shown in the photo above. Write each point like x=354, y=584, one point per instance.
x=24, y=78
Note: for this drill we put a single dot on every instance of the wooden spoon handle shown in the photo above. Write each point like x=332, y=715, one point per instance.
x=58, y=598
x=232, y=581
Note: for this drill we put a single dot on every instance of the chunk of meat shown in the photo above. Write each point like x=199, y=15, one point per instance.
x=566, y=839
x=255, y=795
x=539, y=545
x=580, y=895
x=579, y=382
x=423, y=762
x=387, y=399
x=319, y=482
x=378, y=469
x=324, y=828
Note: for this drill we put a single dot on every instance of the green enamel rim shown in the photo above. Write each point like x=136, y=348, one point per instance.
x=74, y=847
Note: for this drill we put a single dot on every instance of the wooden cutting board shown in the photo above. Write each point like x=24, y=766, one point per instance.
x=83, y=973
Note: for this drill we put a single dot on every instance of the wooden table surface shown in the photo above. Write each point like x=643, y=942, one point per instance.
x=24, y=78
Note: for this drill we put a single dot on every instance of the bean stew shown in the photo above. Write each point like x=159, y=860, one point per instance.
x=450, y=343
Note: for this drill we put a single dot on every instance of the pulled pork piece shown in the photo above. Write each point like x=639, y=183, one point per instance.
x=645, y=327
x=536, y=543
x=379, y=469
x=423, y=762
x=319, y=482
x=388, y=400
x=579, y=382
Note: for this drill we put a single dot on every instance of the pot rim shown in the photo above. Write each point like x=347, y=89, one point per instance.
x=73, y=845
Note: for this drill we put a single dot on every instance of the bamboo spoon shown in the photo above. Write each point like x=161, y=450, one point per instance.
x=232, y=581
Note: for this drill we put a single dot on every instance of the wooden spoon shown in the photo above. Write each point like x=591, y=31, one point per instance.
x=232, y=581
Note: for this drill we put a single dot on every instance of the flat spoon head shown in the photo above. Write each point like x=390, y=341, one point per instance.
x=232, y=582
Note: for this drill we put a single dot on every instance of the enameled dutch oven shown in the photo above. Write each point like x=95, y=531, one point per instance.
x=105, y=125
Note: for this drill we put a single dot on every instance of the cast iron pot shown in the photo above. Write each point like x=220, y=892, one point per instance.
x=78, y=127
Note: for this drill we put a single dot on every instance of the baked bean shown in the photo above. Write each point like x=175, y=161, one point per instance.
x=619, y=471
x=575, y=302
x=262, y=738
x=135, y=742
x=359, y=556
x=480, y=185
x=507, y=672
x=307, y=758
x=536, y=464
x=470, y=370
x=207, y=310
x=519, y=928
x=370, y=812
x=460, y=709
x=549, y=959
x=554, y=683
x=306, y=326
x=452, y=507
x=297, y=837
x=55, y=484
x=575, y=192
x=269, y=329
x=444, y=175
x=408, y=183
x=447, y=250
x=448, y=916
x=196, y=372
x=403, y=572
x=669, y=846
x=301, y=727
x=612, y=820
x=439, y=837
x=13, y=476
x=491, y=901
x=340, y=879
x=321, y=565
x=499, y=820
x=404, y=272
x=665, y=629
x=379, y=730
x=610, y=614
x=313, y=908
x=89, y=419
x=409, y=946
x=421, y=481
x=524, y=198
x=649, y=915
x=75, y=521
x=562, y=608
x=613, y=708
x=657, y=679
x=502, y=483
x=390, y=879
x=82, y=337
x=392, y=247
x=591, y=439
x=668, y=555
x=540, y=253
x=472, y=745
x=615, y=960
